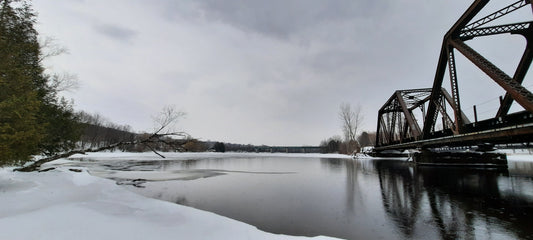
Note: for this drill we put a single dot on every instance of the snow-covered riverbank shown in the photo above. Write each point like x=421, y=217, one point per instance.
x=61, y=204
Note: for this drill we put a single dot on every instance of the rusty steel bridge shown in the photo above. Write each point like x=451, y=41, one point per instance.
x=409, y=118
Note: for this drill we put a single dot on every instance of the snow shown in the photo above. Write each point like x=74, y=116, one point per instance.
x=178, y=155
x=520, y=157
x=61, y=204
x=518, y=154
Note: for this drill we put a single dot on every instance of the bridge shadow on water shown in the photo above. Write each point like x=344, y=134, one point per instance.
x=457, y=202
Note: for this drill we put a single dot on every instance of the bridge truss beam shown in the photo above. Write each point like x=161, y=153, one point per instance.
x=454, y=40
x=397, y=124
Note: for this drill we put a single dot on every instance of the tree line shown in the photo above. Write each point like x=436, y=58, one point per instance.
x=99, y=132
x=337, y=144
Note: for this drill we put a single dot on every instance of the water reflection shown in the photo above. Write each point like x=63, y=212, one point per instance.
x=182, y=164
x=400, y=193
x=351, y=170
x=459, y=202
x=345, y=198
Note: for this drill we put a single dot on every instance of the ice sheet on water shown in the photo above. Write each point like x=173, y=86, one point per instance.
x=61, y=204
x=157, y=175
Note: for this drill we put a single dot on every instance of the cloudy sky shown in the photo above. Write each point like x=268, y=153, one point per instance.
x=251, y=71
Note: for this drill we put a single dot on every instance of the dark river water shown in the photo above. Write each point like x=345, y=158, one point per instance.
x=344, y=198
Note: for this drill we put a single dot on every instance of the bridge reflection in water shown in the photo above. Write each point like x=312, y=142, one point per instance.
x=456, y=202
x=345, y=198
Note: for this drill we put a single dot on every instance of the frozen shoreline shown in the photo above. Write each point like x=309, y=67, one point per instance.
x=61, y=204
x=187, y=155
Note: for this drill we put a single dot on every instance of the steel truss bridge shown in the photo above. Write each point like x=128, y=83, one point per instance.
x=399, y=126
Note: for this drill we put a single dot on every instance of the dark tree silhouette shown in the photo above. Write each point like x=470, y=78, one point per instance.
x=220, y=147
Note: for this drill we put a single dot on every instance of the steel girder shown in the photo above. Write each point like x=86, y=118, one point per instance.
x=520, y=72
x=397, y=127
x=519, y=93
x=396, y=119
x=515, y=28
x=491, y=17
x=454, y=39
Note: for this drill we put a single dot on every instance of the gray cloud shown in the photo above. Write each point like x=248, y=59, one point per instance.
x=254, y=71
x=115, y=32
x=276, y=18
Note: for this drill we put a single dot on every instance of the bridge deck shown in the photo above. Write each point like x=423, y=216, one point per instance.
x=513, y=128
x=514, y=134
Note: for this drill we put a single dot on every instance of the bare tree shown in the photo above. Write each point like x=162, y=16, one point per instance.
x=63, y=82
x=58, y=82
x=351, y=119
x=167, y=119
x=163, y=135
x=50, y=48
x=165, y=132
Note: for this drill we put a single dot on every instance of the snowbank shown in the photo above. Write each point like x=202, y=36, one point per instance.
x=61, y=204
x=520, y=157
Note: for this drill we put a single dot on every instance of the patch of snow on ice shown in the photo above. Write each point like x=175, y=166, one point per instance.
x=82, y=179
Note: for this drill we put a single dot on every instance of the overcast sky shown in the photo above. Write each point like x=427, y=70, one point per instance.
x=252, y=71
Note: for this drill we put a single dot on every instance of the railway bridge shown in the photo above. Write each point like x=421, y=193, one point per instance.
x=432, y=118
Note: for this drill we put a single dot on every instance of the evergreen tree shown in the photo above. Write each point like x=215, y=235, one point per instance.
x=220, y=147
x=19, y=104
x=32, y=118
x=62, y=128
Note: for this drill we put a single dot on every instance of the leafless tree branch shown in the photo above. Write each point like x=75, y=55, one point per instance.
x=63, y=82
x=351, y=120
x=168, y=118
x=50, y=48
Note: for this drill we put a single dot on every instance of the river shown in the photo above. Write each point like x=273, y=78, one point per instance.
x=310, y=195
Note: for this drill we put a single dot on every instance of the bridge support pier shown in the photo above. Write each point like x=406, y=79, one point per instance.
x=460, y=158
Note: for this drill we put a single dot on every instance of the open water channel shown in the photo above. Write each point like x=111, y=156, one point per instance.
x=310, y=195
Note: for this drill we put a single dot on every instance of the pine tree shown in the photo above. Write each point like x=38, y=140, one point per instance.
x=19, y=104
x=62, y=127
x=33, y=120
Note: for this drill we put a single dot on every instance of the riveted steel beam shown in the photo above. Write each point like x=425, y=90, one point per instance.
x=519, y=93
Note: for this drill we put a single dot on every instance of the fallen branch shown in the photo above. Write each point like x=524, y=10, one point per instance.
x=154, y=138
x=166, y=119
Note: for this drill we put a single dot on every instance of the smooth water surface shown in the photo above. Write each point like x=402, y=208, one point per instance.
x=345, y=198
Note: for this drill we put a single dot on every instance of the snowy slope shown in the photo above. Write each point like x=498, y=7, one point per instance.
x=61, y=204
